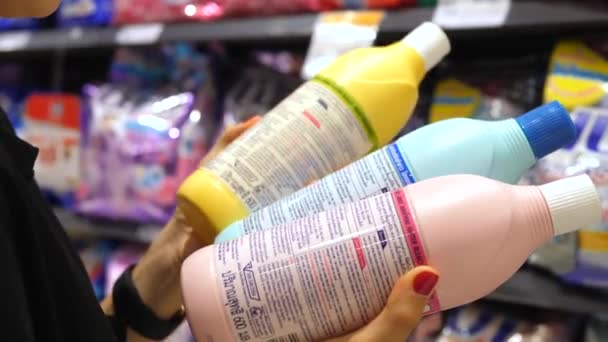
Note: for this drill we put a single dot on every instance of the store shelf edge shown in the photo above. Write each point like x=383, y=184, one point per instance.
x=537, y=289
x=77, y=226
x=524, y=15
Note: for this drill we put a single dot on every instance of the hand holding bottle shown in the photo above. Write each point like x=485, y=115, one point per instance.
x=402, y=311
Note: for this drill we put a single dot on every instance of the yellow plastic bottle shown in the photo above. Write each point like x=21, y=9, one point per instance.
x=353, y=106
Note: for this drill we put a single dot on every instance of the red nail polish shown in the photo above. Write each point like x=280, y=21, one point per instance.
x=425, y=282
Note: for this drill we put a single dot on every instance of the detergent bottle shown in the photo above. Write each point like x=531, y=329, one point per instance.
x=355, y=105
x=330, y=273
x=501, y=150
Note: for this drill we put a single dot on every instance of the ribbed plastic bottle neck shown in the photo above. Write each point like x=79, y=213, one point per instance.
x=531, y=214
x=516, y=151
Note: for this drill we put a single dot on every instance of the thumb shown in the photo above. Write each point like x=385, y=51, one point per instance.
x=403, y=308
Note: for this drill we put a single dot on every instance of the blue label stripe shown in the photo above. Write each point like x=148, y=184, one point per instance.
x=400, y=165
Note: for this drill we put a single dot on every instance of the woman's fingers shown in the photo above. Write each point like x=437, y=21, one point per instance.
x=403, y=309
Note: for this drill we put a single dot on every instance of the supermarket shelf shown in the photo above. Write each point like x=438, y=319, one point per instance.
x=544, y=16
x=533, y=288
x=77, y=226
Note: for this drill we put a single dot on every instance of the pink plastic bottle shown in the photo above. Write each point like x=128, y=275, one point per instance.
x=330, y=273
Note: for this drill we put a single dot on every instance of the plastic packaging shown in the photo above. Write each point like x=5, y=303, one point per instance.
x=214, y=9
x=494, y=90
x=85, y=13
x=136, y=153
x=364, y=4
x=18, y=24
x=330, y=273
x=475, y=323
x=94, y=256
x=577, y=73
x=141, y=11
x=357, y=104
x=145, y=131
x=257, y=90
x=52, y=123
x=504, y=151
x=336, y=33
x=582, y=257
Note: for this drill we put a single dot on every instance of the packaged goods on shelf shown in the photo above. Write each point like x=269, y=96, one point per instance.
x=365, y=4
x=52, y=123
x=85, y=13
x=257, y=90
x=581, y=258
x=138, y=11
x=578, y=73
x=145, y=132
x=336, y=33
x=18, y=24
x=490, y=90
x=94, y=256
x=577, y=77
x=483, y=323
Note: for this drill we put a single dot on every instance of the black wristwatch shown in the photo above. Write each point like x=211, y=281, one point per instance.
x=131, y=310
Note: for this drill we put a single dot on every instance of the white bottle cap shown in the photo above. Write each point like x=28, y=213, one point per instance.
x=430, y=42
x=573, y=203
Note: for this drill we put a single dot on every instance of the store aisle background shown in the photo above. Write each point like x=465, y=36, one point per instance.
x=123, y=97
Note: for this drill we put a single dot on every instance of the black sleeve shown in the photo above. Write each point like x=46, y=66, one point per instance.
x=46, y=292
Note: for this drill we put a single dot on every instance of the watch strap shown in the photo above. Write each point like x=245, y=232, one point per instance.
x=130, y=309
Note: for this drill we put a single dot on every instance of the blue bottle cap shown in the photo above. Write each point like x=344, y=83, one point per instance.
x=547, y=128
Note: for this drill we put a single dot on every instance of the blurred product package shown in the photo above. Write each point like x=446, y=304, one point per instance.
x=85, y=13
x=475, y=322
x=489, y=90
x=144, y=132
x=52, y=123
x=336, y=33
x=577, y=77
x=19, y=24
x=260, y=87
x=578, y=73
x=94, y=256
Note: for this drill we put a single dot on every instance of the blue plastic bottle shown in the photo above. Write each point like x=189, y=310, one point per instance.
x=502, y=150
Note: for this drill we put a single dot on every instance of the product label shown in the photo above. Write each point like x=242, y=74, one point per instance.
x=382, y=171
x=313, y=132
x=322, y=275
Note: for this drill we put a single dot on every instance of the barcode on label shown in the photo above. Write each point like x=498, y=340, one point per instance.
x=286, y=338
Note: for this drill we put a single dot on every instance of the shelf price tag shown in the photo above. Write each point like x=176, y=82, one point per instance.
x=140, y=34
x=471, y=13
x=13, y=41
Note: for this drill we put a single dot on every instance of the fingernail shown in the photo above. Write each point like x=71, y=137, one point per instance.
x=425, y=282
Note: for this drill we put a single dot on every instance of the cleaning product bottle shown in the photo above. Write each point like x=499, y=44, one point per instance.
x=501, y=150
x=353, y=106
x=329, y=273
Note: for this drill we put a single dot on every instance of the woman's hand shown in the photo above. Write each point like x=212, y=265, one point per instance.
x=156, y=275
x=403, y=309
